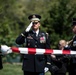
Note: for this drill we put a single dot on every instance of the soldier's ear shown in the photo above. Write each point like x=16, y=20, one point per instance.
x=39, y=25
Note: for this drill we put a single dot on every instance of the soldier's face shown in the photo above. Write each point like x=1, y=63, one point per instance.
x=62, y=44
x=74, y=29
x=36, y=25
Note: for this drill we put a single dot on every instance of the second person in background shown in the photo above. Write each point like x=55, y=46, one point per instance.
x=60, y=60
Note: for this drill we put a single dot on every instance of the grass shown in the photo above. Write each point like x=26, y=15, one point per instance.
x=14, y=69
x=11, y=69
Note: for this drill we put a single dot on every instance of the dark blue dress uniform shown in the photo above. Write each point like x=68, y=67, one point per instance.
x=60, y=62
x=1, y=65
x=34, y=63
x=72, y=67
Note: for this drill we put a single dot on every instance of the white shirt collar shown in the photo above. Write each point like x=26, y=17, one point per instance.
x=37, y=32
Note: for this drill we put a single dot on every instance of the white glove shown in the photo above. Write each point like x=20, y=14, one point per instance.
x=46, y=69
x=5, y=49
x=29, y=27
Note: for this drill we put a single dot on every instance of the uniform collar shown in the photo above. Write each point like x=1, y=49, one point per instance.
x=36, y=32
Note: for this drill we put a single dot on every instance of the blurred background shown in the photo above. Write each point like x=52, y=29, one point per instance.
x=56, y=20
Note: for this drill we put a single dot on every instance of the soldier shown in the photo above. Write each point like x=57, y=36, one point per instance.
x=72, y=68
x=1, y=65
x=60, y=60
x=35, y=38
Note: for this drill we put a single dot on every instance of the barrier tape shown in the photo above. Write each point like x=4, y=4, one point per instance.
x=6, y=50
x=41, y=51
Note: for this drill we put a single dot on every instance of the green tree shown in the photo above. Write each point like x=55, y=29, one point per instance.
x=59, y=21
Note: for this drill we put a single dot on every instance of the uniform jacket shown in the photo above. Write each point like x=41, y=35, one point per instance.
x=34, y=63
x=73, y=47
x=60, y=63
x=1, y=66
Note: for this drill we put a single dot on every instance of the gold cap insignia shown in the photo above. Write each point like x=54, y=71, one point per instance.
x=34, y=16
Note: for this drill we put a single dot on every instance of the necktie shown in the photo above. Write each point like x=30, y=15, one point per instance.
x=35, y=34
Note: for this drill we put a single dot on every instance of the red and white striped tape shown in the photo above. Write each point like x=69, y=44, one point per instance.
x=41, y=51
x=6, y=50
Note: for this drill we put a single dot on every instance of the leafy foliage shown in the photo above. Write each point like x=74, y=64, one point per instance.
x=56, y=18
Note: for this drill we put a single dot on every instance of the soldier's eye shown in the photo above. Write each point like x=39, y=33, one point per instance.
x=35, y=22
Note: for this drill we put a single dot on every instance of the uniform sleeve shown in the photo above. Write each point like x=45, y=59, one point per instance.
x=1, y=65
x=48, y=47
x=21, y=38
x=73, y=44
x=47, y=42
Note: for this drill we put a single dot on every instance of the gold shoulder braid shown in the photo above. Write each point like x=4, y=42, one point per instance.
x=22, y=34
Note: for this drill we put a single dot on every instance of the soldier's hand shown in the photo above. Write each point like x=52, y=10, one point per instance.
x=5, y=49
x=46, y=69
x=24, y=33
x=29, y=27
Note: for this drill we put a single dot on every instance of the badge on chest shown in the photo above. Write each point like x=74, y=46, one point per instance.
x=43, y=38
x=74, y=43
